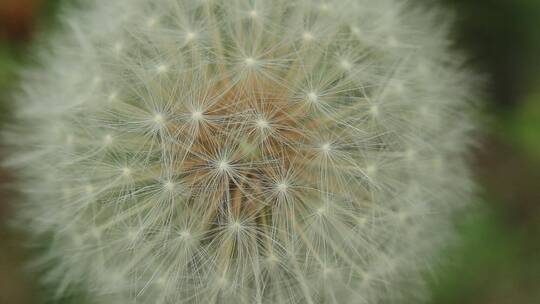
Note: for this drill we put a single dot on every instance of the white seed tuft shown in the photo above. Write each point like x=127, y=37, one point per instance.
x=253, y=14
x=108, y=139
x=160, y=69
x=159, y=119
x=313, y=97
x=190, y=36
x=196, y=115
x=308, y=36
x=126, y=171
x=250, y=61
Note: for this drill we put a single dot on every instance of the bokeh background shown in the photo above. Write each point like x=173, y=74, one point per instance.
x=498, y=259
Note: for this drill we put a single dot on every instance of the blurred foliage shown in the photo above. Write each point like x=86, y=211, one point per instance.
x=502, y=38
x=20, y=20
x=497, y=261
x=7, y=68
x=523, y=127
x=493, y=264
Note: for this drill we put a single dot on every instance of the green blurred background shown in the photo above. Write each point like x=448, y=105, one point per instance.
x=498, y=259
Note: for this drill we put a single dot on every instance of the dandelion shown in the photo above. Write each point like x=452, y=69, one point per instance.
x=243, y=151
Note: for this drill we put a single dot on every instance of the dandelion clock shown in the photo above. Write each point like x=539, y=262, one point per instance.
x=242, y=151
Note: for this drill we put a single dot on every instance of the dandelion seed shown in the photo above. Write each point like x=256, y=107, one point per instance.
x=402, y=216
x=282, y=187
x=262, y=123
x=410, y=154
x=69, y=140
x=95, y=233
x=355, y=30
x=374, y=110
x=196, y=115
x=185, y=235
x=159, y=119
x=327, y=270
x=324, y=7
x=236, y=226
x=151, y=22
x=160, y=69
x=312, y=97
x=126, y=172
x=371, y=170
x=169, y=186
x=112, y=97
x=161, y=281
x=132, y=235
x=326, y=147
x=345, y=64
x=398, y=87
x=250, y=61
x=89, y=189
x=190, y=36
x=272, y=259
x=321, y=211
x=392, y=41
x=224, y=165
x=108, y=139
x=96, y=80
x=307, y=36
x=118, y=47
x=222, y=282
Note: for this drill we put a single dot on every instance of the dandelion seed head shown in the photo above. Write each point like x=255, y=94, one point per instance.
x=270, y=152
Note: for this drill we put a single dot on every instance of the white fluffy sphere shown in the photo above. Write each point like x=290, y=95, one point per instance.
x=243, y=151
